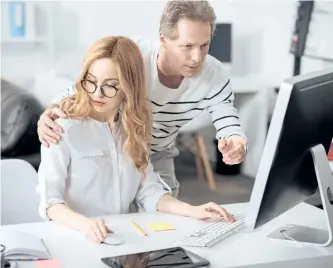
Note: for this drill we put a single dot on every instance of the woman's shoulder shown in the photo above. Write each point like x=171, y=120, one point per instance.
x=82, y=133
x=68, y=123
x=77, y=126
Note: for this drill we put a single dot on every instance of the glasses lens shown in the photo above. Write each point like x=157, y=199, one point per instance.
x=109, y=91
x=88, y=86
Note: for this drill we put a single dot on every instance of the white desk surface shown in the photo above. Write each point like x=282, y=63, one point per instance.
x=239, y=250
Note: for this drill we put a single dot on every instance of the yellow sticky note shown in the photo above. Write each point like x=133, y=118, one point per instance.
x=161, y=226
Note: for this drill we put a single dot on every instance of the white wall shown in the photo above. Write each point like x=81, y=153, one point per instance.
x=261, y=32
x=261, y=38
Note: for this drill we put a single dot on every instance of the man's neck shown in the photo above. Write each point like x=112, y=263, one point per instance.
x=166, y=73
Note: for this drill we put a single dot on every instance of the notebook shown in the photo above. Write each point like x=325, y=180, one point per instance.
x=23, y=246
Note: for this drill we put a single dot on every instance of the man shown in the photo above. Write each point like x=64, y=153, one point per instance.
x=182, y=81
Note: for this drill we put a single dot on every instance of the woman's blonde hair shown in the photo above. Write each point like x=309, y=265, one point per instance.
x=136, y=114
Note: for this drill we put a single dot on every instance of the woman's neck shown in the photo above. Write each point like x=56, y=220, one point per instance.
x=109, y=117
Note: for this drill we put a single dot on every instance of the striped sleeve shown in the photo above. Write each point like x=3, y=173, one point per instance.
x=224, y=114
x=68, y=92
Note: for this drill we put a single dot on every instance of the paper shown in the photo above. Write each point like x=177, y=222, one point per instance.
x=48, y=264
x=161, y=226
x=22, y=245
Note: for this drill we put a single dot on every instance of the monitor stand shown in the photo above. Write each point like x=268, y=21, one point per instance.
x=308, y=235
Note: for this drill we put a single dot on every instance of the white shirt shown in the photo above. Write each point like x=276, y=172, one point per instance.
x=209, y=90
x=88, y=171
x=172, y=108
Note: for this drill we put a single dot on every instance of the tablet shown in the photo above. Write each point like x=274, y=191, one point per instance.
x=170, y=257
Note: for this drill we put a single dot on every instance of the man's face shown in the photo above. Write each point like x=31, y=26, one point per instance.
x=188, y=51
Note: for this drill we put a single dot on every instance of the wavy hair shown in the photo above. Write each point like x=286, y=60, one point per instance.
x=136, y=113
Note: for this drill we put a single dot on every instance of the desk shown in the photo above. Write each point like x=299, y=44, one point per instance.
x=240, y=250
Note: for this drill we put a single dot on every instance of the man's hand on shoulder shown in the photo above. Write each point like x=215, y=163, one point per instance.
x=233, y=149
x=48, y=130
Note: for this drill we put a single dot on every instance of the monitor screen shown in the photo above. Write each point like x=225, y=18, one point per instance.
x=220, y=47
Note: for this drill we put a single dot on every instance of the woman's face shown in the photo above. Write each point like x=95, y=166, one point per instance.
x=102, y=84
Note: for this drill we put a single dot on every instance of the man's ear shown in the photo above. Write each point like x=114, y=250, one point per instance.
x=162, y=38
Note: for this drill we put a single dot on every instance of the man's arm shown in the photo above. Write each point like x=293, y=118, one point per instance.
x=224, y=114
x=48, y=130
x=232, y=139
x=68, y=92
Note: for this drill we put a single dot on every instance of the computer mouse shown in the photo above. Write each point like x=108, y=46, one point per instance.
x=112, y=239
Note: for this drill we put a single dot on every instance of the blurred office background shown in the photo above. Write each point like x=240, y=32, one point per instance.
x=43, y=43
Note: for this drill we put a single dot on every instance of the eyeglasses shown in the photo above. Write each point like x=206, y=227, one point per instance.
x=108, y=91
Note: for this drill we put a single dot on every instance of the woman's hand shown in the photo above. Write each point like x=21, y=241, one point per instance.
x=94, y=229
x=210, y=211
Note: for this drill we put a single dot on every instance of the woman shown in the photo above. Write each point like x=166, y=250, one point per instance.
x=101, y=166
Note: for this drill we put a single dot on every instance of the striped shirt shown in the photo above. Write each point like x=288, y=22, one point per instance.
x=172, y=108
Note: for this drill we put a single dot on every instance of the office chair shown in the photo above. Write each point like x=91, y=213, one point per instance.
x=199, y=150
x=18, y=192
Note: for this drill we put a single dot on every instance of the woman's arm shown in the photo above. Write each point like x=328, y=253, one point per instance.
x=62, y=214
x=52, y=176
x=154, y=194
x=169, y=204
x=94, y=229
x=52, y=173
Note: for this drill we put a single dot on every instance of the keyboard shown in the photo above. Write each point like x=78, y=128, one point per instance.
x=213, y=233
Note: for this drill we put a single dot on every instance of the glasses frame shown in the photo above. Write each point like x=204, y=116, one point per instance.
x=101, y=87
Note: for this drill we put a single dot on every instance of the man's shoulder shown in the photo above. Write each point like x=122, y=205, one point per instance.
x=213, y=75
x=214, y=69
x=146, y=45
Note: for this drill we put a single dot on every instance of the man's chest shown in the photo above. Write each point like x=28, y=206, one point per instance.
x=172, y=109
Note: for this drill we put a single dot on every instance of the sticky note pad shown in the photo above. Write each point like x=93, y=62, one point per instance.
x=48, y=264
x=161, y=226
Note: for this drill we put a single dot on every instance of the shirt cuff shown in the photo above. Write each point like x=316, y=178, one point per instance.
x=151, y=206
x=49, y=202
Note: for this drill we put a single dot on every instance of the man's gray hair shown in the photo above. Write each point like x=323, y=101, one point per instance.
x=181, y=9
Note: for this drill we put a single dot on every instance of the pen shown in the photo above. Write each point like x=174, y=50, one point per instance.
x=137, y=227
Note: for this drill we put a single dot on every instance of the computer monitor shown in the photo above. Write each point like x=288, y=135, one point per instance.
x=221, y=43
x=294, y=161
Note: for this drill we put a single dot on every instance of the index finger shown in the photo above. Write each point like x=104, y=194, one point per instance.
x=56, y=111
x=225, y=145
x=51, y=124
x=102, y=227
x=229, y=146
x=223, y=212
x=222, y=144
x=234, y=152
